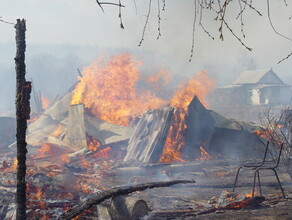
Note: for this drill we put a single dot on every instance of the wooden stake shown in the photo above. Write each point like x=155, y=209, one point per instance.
x=23, y=90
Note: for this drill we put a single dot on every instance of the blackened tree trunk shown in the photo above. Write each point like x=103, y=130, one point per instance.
x=23, y=89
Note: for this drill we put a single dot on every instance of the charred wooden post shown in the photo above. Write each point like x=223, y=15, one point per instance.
x=127, y=207
x=23, y=90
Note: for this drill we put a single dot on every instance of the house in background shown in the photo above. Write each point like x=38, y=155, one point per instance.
x=256, y=87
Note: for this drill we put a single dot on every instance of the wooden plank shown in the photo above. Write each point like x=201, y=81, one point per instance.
x=76, y=128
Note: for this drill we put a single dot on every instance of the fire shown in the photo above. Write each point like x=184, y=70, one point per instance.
x=200, y=85
x=33, y=117
x=175, y=139
x=14, y=165
x=248, y=195
x=105, y=153
x=92, y=143
x=159, y=80
x=109, y=90
x=44, y=151
x=45, y=102
x=48, y=150
x=204, y=154
x=102, y=153
x=262, y=133
x=38, y=196
x=58, y=131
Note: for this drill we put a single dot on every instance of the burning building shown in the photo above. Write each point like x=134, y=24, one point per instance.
x=105, y=132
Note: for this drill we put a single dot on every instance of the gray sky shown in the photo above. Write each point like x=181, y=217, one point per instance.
x=81, y=22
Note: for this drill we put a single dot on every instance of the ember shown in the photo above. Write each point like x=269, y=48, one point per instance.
x=45, y=102
x=205, y=155
x=92, y=143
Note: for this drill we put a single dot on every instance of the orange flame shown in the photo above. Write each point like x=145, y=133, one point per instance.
x=204, y=154
x=45, y=102
x=248, y=195
x=175, y=139
x=48, y=150
x=159, y=80
x=58, y=131
x=44, y=151
x=262, y=133
x=92, y=143
x=105, y=153
x=14, y=165
x=200, y=85
x=109, y=90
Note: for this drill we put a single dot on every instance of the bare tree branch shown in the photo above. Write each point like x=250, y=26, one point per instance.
x=163, y=8
x=251, y=7
x=110, y=3
x=99, y=4
x=194, y=30
x=289, y=55
x=135, y=4
x=146, y=22
x=120, y=15
x=6, y=22
x=248, y=48
x=159, y=19
x=241, y=17
x=201, y=24
x=270, y=20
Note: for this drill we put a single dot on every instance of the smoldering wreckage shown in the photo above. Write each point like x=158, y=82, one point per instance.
x=176, y=161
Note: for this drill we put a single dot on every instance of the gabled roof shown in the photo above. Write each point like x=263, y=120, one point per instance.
x=258, y=76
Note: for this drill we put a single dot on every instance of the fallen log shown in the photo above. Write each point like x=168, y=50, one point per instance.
x=100, y=197
x=127, y=207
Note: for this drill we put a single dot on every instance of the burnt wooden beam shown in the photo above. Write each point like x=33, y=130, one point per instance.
x=23, y=90
x=100, y=197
